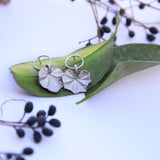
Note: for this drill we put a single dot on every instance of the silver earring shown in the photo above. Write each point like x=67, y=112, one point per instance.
x=72, y=80
x=50, y=78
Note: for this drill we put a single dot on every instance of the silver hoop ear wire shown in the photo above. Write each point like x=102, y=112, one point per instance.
x=77, y=67
x=1, y=107
x=38, y=58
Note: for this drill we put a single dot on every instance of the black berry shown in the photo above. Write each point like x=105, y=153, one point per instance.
x=106, y=29
x=52, y=110
x=55, y=123
x=128, y=21
x=114, y=21
x=47, y=132
x=9, y=156
x=151, y=37
x=37, y=136
x=41, y=121
x=101, y=32
x=112, y=1
x=20, y=158
x=153, y=30
x=131, y=34
x=31, y=121
x=28, y=107
x=20, y=133
x=28, y=151
x=141, y=5
x=104, y=20
x=88, y=44
x=41, y=113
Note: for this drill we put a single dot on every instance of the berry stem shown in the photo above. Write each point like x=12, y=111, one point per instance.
x=88, y=39
x=93, y=5
x=117, y=8
x=148, y=4
x=17, y=124
x=22, y=117
x=131, y=6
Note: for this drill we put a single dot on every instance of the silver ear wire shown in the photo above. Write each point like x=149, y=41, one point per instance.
x=74, y=55
x=38, y=58
x=50, y=78
x=2, y=105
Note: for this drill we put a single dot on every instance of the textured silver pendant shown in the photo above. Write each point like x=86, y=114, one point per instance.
x=73, y=81
x=50, y=78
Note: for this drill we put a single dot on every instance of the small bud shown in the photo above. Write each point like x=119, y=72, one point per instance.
x=104, y=20
x=28, y=107
x=55, y=123
x=37, y=136
x=41, y=113
x=20, y=133
x=52, y=110
x=122, y=11
x=153, y=30
x=31, y=121
x=28, y=151
x=41, y=121
x=47, y=132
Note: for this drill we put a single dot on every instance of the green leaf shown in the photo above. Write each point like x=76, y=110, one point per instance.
x=127, y=59
x=98, y=60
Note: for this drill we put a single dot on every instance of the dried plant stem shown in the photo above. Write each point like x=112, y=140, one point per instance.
x=17, y=125
x=95, y=16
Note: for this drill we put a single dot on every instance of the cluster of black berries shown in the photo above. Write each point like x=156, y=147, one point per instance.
x=151, y=36
x=128, y=21
x=38, y=122
x=114, y=7
x=104, y=29
x=16, y=156
x=35, y=123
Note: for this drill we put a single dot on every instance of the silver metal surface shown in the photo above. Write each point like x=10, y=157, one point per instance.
x=51, y=78
x=76, y=83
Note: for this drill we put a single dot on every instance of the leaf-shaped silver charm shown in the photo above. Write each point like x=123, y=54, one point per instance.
x=75, y=83
x=51, y=79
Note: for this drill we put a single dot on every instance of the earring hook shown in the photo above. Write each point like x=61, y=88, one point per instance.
x=1, y=107
x=38, y=58
x=75, y=55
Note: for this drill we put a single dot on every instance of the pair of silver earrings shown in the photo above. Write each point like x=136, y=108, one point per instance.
x=53, y=79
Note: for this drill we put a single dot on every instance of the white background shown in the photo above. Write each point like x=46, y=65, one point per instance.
x=120, y=123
